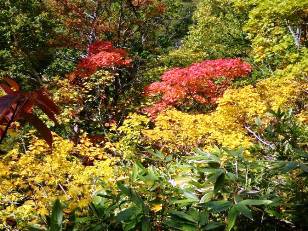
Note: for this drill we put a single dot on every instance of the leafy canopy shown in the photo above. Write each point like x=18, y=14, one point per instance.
x=203, y=82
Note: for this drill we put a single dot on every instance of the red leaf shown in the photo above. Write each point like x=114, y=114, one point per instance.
x=8, y=104
x=42, y=98
x=41, y=127
x=6, y=88
x=12, y=83
x=101, y=55
x=204, y=82
x=18, y=105
x=47, y=105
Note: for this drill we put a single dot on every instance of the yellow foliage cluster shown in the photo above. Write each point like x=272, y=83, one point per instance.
x=68, y=97
x=132, y=134
x=31, y=181
x=72, y=98
x=178, y=131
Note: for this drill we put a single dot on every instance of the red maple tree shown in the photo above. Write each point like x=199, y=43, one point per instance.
x=101, y=54
x=203, y=82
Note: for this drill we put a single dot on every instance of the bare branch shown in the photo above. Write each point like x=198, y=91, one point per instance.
x=296, y=35
x=272, y=146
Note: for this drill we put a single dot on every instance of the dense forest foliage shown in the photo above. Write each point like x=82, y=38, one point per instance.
x=153, y=115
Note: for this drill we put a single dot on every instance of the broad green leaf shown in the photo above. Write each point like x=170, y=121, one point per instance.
x=174, y=224
x=258, y=121
x=236, y=152
x=219, y=182
x=128, y=213
x=219, y=206
x=135, y=172
x=134, y=197
x=188, y=227
x=191, y=196
x=233, y=212
x=206, y=156
x=131, y=225
x=184, y=202
x=157, y=154
x=255, y=202
x=203, y=218
x=304, y=167
x=290, y=166
x=183, y=216
x=146, y=224
x=213, y=225
x=35, y=228
x=206, y=197
x=168, y=158
x=243, y=209
x=56, y=216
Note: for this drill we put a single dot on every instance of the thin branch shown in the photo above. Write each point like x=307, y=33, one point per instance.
x=61, y=187
x=272, y=146
x=296, y=35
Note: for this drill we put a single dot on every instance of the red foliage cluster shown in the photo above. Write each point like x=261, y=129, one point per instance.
x=101, y=54
x=137, y=3
x=204, y=82
x=17, y=105
x=156, y=7
x=81, y=19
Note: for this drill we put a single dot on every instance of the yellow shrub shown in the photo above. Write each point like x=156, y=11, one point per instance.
x=31, y=181
x=131, y=131
x=178, y=131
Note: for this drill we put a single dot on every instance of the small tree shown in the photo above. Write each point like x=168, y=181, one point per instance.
x=101, y=54
x=203, y=82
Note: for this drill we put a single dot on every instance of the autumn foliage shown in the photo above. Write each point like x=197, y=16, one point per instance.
x=203, y=82
x=18, y=105
x=82, y=21
x=101, y=54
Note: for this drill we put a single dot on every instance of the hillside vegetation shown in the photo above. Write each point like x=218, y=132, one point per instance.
x=144, y=115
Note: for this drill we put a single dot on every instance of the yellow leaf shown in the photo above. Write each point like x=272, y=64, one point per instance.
x=156, y=207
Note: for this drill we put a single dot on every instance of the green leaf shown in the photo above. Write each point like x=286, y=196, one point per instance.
x=243, y=209
x=56, y=216
x=157, y=154
x=258, y=121
x=168, y=158
x=184, y=202
x=131, y=225
x=213, y=225
x=219, y=206
x=191, y=196
x=233, y=212
x=128, y=213
x=304, y=167
x=146, y=224
x=173, y=224
x=135, y=173
x=181, y=226
x=134, y=197
x=255, y=202
x=203, y=218
x=207, y=157
x=206, y=197
x=188, y=227
x=236, y=153
x=35, y=228
x=183, y=216
x=289, y=166
x=219, y=182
